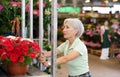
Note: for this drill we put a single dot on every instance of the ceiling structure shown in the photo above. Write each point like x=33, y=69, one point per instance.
x=82, y=3
x=77, y=3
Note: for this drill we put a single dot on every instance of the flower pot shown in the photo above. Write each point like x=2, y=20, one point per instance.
x=17, y=69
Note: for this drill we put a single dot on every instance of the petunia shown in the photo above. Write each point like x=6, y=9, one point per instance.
x=1, y=7
x=21, y=59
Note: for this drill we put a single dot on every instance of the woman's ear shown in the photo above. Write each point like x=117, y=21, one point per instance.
x=76, y=31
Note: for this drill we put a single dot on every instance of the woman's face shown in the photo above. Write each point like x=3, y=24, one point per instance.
x=106, y=23
x=68, y=31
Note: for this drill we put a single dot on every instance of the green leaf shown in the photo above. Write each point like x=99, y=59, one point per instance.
x=28, y=60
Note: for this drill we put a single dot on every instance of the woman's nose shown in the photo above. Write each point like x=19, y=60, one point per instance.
x=64, y=29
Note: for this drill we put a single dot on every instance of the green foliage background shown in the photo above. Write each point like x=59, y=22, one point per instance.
x=9, y=12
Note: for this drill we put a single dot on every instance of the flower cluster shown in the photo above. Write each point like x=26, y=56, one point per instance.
x=114, y=32
x=91, y=37
x=18, y=50
x=10, y=9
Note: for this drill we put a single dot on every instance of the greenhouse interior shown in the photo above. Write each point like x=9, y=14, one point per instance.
x=59, y=38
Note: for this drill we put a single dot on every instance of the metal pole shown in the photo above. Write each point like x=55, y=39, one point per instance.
x=31, y=19
x=54, y=36
x=23, y=18
x=49, y=33
x=41, y=26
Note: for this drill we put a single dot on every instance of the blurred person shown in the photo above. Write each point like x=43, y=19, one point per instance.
x=74, y=50
x=105, y=41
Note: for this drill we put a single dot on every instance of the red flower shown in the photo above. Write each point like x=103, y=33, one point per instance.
x=14, y=58
x=2, y=51
x=35, y=46
x=21, y=59
x=3, y=56
x=33, y=55
x=1, y=37
x=18, y=50
x=7, y=44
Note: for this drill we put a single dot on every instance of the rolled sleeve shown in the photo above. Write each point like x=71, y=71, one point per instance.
x=61, y=47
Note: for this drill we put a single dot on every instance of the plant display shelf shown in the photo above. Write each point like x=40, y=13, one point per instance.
x=94, y=51
x=114, y=51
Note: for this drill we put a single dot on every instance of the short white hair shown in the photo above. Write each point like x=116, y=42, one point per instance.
x=76, y=24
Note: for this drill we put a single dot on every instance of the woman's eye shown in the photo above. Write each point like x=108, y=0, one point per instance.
x=67, y=27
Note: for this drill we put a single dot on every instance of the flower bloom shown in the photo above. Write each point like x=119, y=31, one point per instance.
x=13, y=58
x=27, y=8
x=33, y=55
x=18, y=50
x=1, y=7
x=47, y=12
x=36, y=12
x=43, y=4
x=21, y=59
x=16, y=4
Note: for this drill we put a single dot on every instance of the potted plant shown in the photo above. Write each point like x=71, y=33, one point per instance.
x=114, y=34
x=17, y=51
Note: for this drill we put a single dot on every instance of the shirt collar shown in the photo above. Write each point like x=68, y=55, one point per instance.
x=74, y=43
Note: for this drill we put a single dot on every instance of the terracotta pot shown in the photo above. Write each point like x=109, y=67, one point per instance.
x=17, y=69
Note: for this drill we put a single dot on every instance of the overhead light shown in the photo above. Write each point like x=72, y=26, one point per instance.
x=115, y=0
x=106, y=1
x=86, y=1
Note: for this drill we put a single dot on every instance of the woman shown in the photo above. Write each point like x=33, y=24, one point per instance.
x=74, y=50
x=105, y=41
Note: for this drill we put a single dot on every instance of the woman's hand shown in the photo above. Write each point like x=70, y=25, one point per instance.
x=42, y=58
x=47, y=63
x=46, y=53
